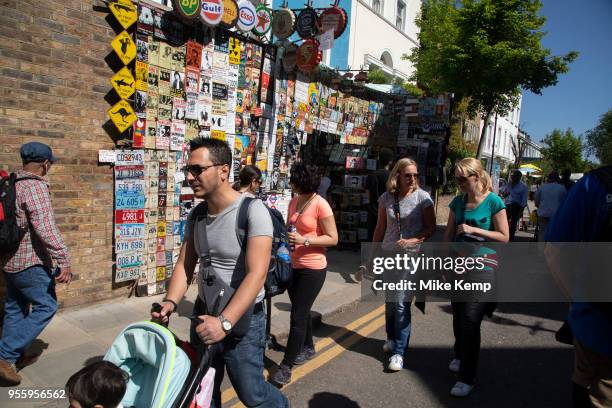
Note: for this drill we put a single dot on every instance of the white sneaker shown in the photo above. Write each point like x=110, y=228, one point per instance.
x=396, y=362
x=388, y=346
x=454, y=365
x=461, y=389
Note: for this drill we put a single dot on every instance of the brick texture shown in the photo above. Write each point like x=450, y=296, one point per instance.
x=53, y=65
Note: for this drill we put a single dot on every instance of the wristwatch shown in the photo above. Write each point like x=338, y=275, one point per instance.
x=226, y=325
x=306, y=242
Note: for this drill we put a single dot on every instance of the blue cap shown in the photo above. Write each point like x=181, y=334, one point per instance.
x=36, y=152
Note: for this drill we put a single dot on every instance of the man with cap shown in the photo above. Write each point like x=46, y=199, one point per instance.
x=29, y=272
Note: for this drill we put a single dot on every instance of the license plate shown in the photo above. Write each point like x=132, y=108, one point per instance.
x=129, y=187
x=127, y=274
x=124, y=231
x=129, y=216
x=127, y=201
x=130, y=259
x=129, y=172
x=129, y=157
x=129, y=245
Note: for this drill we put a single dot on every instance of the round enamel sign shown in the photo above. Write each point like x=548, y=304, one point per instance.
x=306, y=25
x=333, y=18
x=187, y=10
x=283, y=24
x=289, y=57
x=246, y=16
x=230, y=14
x=212, y=12
x=263, y=15
x=308, y=56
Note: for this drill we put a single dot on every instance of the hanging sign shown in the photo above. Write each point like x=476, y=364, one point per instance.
x=124, y=47
x=123, y=82
x=230, y=14
x=306, y=25
x=187, y=10
x=283, y=23
x=212, y=12
x=246, y=16
x=289, y=57
x=308, y=56
x=333, y=18
x=122, y=115
x=124, y=11
x=263, y=15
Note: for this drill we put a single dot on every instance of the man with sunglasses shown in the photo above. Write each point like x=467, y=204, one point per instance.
x=229, y=309
x=30, y=281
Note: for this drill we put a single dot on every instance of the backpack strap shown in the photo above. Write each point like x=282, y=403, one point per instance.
x=242, y=221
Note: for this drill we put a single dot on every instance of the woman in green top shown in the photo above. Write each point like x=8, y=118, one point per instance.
x=477, y=215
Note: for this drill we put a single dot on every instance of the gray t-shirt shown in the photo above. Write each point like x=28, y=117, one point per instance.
x=411, y=216
x=227, y=262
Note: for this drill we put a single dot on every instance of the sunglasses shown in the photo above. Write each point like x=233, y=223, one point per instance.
x=196, y=169
x=412, y=175
x=463, y=179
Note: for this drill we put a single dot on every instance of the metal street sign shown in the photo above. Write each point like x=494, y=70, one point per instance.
x=122, y=115
x=124, y=11
x=124, y=83
x=124, y=47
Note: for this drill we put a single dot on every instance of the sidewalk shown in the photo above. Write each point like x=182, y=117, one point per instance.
x=77, y=337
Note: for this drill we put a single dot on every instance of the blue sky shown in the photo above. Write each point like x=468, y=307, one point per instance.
x=585, y=93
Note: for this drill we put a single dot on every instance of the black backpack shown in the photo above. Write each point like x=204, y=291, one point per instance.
x=280, y=272
x=10, y=233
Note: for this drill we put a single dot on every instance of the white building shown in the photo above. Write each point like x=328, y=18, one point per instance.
x=507, y=132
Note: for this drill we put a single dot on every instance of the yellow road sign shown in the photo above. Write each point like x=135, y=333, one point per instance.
x=124, y=11
x=234, y=51
x=122, y=115
x=124, y=47
x=124, y=83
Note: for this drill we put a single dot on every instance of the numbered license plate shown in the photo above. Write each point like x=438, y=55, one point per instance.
x=127, y=274
x=127, y=231
x=129, y=259
x=129, y=172
x=129, y=245
x=129, y=157
x=129, y=216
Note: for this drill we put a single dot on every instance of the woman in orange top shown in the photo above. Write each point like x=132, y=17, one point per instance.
x=315, y=230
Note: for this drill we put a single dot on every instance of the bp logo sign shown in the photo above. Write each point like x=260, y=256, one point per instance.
x=246, y=16
x=212, y=12
x=187, y=9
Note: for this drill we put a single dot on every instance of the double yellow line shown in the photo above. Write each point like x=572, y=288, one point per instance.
x=365, y=326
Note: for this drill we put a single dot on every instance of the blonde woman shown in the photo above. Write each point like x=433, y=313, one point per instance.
x=476, y=215
x=406, y=218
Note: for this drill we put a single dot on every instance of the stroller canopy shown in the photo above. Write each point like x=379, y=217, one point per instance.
x=157, y=367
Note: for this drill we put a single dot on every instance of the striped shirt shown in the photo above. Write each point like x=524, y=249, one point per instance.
x=42, y=243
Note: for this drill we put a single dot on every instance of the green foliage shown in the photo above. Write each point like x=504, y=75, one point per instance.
x=563, y=150
x=377, y=76
x=599, y=139
x=485, y=50
x=413, y=89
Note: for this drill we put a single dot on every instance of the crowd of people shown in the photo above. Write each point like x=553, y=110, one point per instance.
x=401, y=217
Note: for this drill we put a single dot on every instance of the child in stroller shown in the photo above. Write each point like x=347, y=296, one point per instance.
x=99, y=385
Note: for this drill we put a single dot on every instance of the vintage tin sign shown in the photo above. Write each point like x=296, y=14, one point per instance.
x=263, y=16
x=187, y=10
x=283, y=23
x=129, y=172
x=129, y=259
x=306, y=24
x=212, y=12
x=127, y=274
x=129, y=245
x=129, y=231
x=246, y=16
x=129, y=216
x=125, y=47
x=230, y=14
x=130, y=158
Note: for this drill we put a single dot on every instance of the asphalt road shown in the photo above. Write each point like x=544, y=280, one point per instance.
x=521, y=365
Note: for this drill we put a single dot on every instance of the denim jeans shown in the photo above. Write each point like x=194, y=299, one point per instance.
x=398, y=323
x=467, y=318
x=244, y=360
x=31, y=287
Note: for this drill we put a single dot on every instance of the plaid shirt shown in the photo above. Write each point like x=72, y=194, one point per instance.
x=42, y=243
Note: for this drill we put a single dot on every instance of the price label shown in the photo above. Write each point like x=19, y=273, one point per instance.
x=129, y=216
x=129, y=245
x=127, y=274
x=130, y=259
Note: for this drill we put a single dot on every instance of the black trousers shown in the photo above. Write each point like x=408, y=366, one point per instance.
x=515, y=212
x=307, y=284
x=467, y=317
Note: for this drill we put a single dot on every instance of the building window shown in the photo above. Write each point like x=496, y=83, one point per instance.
x=400, y=17
x=377, y=5
x=386, y=59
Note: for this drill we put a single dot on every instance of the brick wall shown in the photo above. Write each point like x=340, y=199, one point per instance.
x=55, y=67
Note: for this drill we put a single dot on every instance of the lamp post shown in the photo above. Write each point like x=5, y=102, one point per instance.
x=493, y=146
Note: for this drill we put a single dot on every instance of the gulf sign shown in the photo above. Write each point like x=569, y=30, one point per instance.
x=212, y=12
x=246, y=16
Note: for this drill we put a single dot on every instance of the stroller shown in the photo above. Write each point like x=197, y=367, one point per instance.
x=164, y=372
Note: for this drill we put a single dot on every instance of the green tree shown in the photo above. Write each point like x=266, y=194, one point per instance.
x=485, y=50
x=377, y=76
x=599, y=139
x=563, y=150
